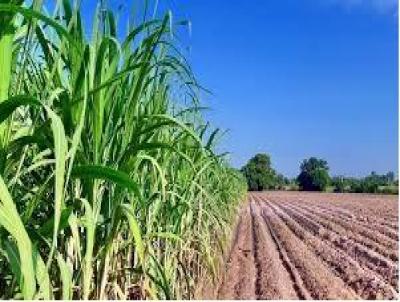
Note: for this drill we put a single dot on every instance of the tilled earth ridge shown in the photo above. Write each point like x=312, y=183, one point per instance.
x=294, y=245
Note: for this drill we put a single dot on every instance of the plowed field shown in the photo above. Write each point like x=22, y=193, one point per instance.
x=293, y=245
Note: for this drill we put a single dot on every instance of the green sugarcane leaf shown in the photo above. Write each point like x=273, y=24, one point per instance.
x=106, y=173
x=11, y=221
x=10, y=105
x=60, y=151
x=13, y=258
x=47, y=228
x=66, y=278
x=32, y=14
x=43, y=278
x=135, y=230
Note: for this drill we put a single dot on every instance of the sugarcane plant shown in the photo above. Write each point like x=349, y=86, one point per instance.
x=110, y=186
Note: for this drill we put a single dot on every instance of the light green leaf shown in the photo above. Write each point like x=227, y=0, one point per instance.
x=106, y=173
x=11, y=221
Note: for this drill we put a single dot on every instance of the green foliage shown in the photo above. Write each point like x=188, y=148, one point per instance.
x=340, y=184
x=373, y=183
x=389, y=189
x=314, y=175
x=260, y=175
x=110, y=185
x=281, y=182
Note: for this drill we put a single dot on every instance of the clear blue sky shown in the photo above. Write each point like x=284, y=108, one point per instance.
x=300, y=78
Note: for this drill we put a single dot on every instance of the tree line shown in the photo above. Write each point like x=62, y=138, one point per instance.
x=313, y=176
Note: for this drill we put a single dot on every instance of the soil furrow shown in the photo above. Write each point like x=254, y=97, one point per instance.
x=362, y=280
x=387, y=269
x=318, y=279
x=240, y=265
x=258, y=265
x=274, y=281
x=369, y=208
x=302, y=245
x=390, y=253
x=298, y=286
x=367, y=232
x=362, y=221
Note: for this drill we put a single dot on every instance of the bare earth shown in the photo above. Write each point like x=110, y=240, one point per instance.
x=294, y=245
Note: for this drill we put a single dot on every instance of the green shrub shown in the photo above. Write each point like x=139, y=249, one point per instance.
x=313, y=175
x=259, y=173
x=373, y=183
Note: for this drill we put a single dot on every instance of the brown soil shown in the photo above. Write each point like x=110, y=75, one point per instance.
x=293, y=245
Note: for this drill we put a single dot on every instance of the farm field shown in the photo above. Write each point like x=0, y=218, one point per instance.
x=292, y=245
x=116, y=184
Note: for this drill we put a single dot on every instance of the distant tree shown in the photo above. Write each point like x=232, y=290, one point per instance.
x=373, y=183
x=259, y=173
x=281, y=181
x=313, y=175
x=339, y=183
x=390, y=177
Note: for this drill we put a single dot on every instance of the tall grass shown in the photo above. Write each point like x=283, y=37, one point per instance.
x=109, y=185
